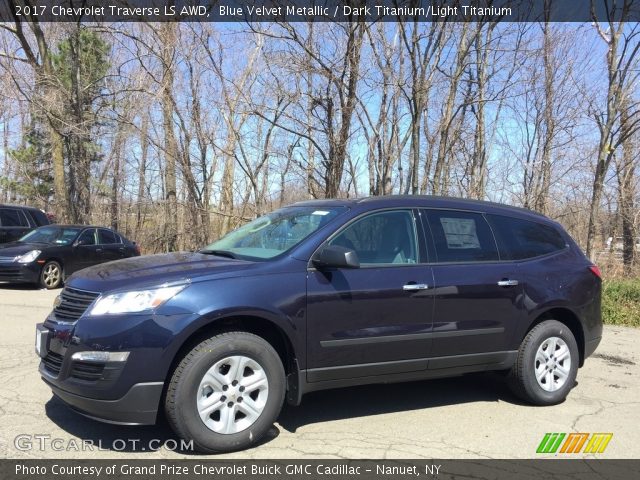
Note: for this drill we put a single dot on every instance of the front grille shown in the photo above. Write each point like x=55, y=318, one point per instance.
x=87, y=371
x=9, y=272
x=73, y=303
x=52, y=362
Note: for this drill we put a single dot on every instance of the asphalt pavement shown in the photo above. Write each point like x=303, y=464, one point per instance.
x=466, y=417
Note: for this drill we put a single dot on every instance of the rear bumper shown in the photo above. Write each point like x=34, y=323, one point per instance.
x=590, y=346
x=139, y=406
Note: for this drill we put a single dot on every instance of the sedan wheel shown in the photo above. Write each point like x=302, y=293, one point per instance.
x=51, y=275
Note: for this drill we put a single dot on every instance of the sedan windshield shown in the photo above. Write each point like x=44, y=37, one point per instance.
x=274, y=233
x=51, y=235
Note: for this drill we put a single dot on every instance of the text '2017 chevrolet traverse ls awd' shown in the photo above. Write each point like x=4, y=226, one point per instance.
x=319, y=295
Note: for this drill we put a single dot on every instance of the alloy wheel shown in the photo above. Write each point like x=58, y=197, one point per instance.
x=51, y=275
x=232, y=394
x=552, y=364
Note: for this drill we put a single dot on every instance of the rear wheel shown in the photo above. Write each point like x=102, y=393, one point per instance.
x=226, y=393
x=51, y=275
x=547, y=364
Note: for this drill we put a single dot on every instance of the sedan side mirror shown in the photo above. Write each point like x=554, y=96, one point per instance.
x=335, y=256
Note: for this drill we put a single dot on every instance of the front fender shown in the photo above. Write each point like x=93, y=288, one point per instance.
x=279, y=299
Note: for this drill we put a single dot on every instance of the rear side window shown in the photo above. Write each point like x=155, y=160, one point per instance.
x=461, y=237
x=107, y=237
x=11, y=217
x=521, y=239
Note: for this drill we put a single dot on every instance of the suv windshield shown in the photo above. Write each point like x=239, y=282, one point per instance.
x=274, y=233
x=53, y=235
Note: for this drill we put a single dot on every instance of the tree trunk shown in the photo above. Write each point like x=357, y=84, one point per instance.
x=444, y=146
x=626, y=195
x=542, y=199
x=168, y=30
x=142, y=169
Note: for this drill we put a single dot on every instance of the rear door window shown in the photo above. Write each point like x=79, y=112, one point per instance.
x=521, y=239
x=12, y=217
x=87, y=237
x=107, y=237
x=461, y=237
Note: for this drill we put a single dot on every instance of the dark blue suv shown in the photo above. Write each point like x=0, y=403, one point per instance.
x=319, y=295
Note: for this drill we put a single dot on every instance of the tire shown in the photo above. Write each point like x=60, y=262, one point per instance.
x=236, y=417
x=534, y=360
x=51, y=275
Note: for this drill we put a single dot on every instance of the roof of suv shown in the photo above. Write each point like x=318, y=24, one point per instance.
x=26, y=207
x=429, y=201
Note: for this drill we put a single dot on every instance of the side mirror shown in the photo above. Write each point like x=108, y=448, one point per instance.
x=335, y=256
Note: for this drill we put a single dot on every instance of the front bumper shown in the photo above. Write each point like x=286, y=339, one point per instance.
x=139, y=406
x=124, y=387
x=20, y=272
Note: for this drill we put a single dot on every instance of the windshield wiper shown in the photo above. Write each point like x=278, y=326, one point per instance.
x=219, y=253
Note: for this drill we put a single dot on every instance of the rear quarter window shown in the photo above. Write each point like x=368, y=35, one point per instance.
x=522, y=239
x=38, y=217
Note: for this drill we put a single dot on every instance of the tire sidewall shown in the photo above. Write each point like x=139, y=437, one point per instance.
x=542, y=332
x=206, y=355
x=57, y=285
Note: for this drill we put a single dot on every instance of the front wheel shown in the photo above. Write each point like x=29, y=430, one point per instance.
x=51, y=275
x=226, y=392
x=547, y=364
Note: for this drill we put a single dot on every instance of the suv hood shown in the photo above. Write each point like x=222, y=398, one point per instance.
x=151, y=270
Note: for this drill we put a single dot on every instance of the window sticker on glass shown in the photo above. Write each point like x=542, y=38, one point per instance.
x=320, y=212
x=460, y=232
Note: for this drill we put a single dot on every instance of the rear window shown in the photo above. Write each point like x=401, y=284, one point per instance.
x=521, y=239
x=462, y=237
x=11, y=217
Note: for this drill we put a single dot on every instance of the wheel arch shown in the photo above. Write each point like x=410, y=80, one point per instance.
x=567, y=317
x=258, y=325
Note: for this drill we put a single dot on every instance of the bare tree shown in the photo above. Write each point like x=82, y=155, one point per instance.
x=623, y=44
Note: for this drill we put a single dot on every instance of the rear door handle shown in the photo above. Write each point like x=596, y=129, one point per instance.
x=412, y=287
x=507, y=283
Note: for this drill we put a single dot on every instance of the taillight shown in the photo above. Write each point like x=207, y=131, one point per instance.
x=596, y=271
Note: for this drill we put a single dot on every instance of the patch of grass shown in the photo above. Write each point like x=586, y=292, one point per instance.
x=621, y=302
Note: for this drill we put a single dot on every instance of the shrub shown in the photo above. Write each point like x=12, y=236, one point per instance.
x=621, y=302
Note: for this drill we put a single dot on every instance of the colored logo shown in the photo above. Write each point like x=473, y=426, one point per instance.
x=574, y=443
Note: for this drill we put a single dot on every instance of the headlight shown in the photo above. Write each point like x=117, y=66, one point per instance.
x=134, y=301
x=27, y=257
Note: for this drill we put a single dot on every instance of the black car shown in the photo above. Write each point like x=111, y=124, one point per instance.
x=16, y=220
x=47, y=255
x=320, y=295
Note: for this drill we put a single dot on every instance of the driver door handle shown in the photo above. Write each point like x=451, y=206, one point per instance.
x=412, y=287
x=507, y=283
